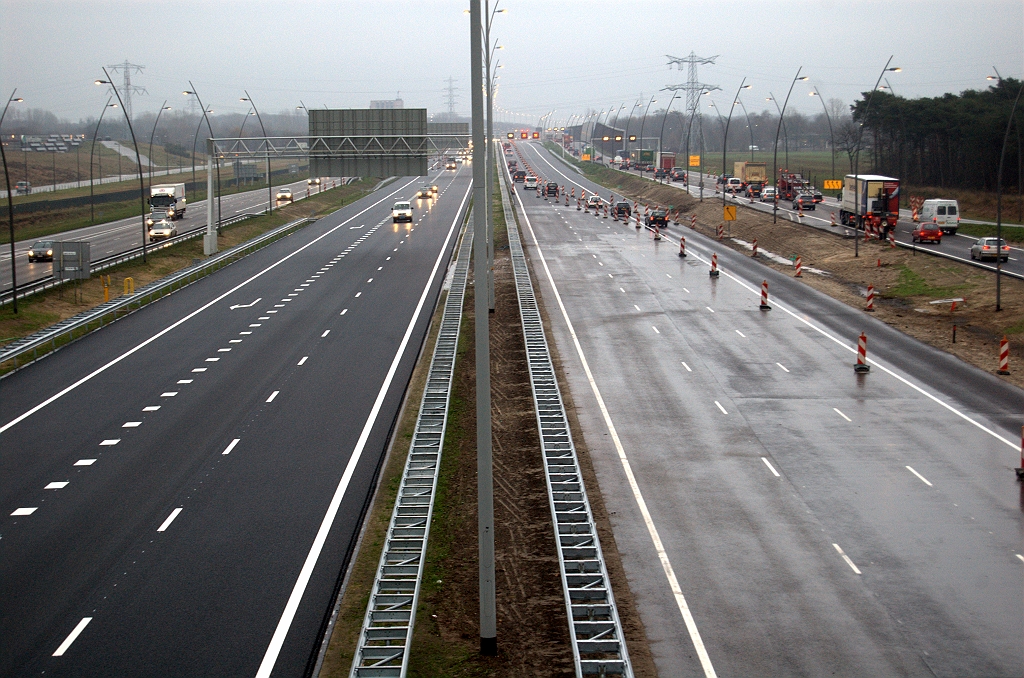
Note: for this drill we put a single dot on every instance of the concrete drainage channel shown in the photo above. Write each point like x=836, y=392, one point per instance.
x=388, y=625
x=598, y=644
x=24, y=351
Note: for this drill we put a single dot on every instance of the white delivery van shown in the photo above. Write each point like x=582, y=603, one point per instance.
x=944, y=212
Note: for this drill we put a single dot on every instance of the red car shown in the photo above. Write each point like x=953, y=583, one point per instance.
x=927, y=232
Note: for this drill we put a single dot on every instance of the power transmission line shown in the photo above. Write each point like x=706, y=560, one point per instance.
x=450, y=93
x=128, y=89
x=693, y=87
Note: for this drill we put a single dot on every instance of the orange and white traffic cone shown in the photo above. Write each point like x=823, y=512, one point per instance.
x=714, y=265
x=755, y=248
x=1004, y=357
x=871, y=299
x=862, y=355
x=799, y=267
x=764, y=297
x=682, y=246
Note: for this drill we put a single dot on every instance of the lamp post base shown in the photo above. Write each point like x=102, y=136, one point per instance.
x=210, y=244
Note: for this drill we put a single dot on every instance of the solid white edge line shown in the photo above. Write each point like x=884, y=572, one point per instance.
x=852, y=349
x=231, y=446
x=188, y=317
x=72, y=636
x=770, y=467
x=659, y=547
x=292, y=606
x=921, y=477
x=847, y=559
x=170, y=519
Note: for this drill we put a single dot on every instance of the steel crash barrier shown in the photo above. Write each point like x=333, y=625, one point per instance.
x=388, y=624
x=24, y=351
x=598, y=643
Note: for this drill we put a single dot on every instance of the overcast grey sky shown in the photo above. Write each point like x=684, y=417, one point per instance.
x=562, y=55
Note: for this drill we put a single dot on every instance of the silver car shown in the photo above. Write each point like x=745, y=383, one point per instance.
x=162, y=230
x=990, y=248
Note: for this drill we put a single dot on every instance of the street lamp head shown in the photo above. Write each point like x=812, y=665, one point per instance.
x=812, y=94
x=747, y=87
x=187, y=92
x=18, y=100
x=804, y=77
x=991, y=77
x=894, y=69
x=101, y=82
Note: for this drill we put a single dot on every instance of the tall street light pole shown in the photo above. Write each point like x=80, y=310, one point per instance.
x=210, y=243
x=266, y=143
x=775, y=157
x=661, y=134
x=10, y=206
x=832, y=137
x=485, y=478
x=999, y=198
x=749, y=127
x=626, y=134
x=725, y=137
x=785, y=132
x=643, y=122
x=195, y=139
x=856, y=156
x=489, y=158
x=138, y=158
x=689, y=128
x=163, y=107
x=92, y=210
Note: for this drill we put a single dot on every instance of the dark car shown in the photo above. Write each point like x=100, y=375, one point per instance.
x=676, y=175
x=519, y=175
x=753, y=190
x=624, y=166
x=803, y=201
x=816, y=194
x=41, y=251
x=512, y=164
x=622, y=209
x=660, y=173
x=551, y=188
x=657, y=217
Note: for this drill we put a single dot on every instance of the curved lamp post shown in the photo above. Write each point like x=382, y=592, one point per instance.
x=661, y=134
x=163, y=107
x=856, y=155
x=266, y=142
x=785, y=132
x=830, y=134
x=725, y=137
x=999, y=195
x=775, y=158
x=195, y=139
x=749, y=127
x=138, y=159
x=210, y=128
x=629, y=120
x=643, y=121
x=10, y=207
x=92, y=212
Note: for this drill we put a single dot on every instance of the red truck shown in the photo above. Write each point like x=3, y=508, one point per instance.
x=791, y=184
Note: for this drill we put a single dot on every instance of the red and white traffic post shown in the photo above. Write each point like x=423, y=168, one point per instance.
x=754, y=248
x=1004, y=357
x=693, y=222
x=721, y=231
x=871, y=299
x=1020, y=471
x=862, y=355
x=714, y=265
x=764, y=297
x=682, y=246
x=799, y=267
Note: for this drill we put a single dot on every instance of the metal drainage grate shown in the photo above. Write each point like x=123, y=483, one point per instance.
x=388, y=624
x=598, y=644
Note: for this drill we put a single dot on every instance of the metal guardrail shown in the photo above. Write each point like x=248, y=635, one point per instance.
x=598, y=643
x=388, y=624
x=40, y=284
x=66, y=331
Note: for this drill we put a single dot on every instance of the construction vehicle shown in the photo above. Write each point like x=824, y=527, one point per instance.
x=791, y=184
x=750, y=172
x=872, y=201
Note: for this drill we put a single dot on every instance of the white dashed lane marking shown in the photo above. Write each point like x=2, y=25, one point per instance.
x=720, y=407
x=109, y=442
x=26, y=511
x=272, y=396
x=770, y=467
x=131, y=424
x=85, y=462
x=847, y=559
x=836, y=410
x=59, y=485
x=231, y=446
x=170, y=519
x=921, y=477
x=304, y=359
x=72, y=636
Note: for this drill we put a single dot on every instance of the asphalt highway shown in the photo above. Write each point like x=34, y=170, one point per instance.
x=778, y=514
x=181, y=488
x=119, y=236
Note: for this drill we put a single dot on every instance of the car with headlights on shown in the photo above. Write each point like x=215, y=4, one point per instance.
x=284, y=195
x=401, y=211
x=162, y=230
x=41, y=250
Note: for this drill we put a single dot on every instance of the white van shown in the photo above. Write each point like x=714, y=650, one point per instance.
x=944, y=212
